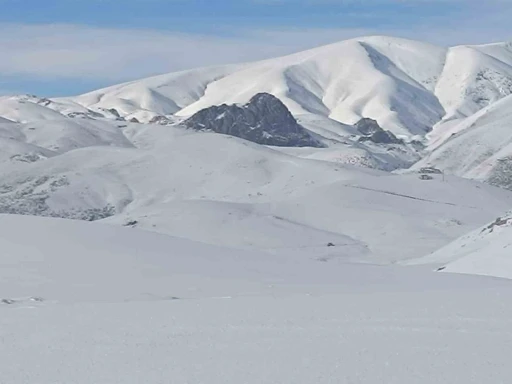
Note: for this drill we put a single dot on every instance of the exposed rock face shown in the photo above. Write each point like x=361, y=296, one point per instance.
x=367, y=126
x=162, y=120
x=114, y=112
x=264, y=120
x=501, y=175
x=372, y=131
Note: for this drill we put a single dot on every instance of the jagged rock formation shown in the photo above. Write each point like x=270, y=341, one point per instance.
x=161, y=120
x=264, y=120
x=367, y=126
x=372, y=131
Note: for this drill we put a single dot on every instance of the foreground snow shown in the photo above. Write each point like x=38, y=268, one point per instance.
x=439, y=336
x=88, y=303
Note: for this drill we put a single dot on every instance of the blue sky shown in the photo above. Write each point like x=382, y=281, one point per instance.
x=213, y=16
x=64, y=47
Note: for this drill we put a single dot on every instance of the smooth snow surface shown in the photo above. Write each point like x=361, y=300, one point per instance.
x=87, y=303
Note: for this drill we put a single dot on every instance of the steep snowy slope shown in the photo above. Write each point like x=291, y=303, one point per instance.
x=473, y=78
x=486, y=251
x=88, y=303
x=479, y=147
x=160, y=95
x=345, y=81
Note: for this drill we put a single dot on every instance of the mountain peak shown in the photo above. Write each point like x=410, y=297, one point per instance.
x=263, y=120
x=265, y=98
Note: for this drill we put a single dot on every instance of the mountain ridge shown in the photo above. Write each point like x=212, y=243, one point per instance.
x=415, y=69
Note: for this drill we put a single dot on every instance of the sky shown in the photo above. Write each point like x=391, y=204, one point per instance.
x=68, y=47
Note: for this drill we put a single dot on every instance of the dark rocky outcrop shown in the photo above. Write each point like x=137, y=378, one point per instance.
x=114, y=112
x=367, y=126
x=264, y=120
x=431, y=170
x=382, y=137
x=162, y=120
x=372, y=131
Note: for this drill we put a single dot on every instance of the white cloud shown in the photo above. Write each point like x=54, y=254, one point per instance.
x=59, y=51
x=73, y=51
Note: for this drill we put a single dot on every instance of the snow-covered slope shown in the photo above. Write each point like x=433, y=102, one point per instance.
x=474, y=77
x=37, y=128
x=15, y=151
x=88, y=303
x=22, y=109
x=161, y=95
x=486, y=251
x=407, y=86
x=249, y=196
x=478, y=147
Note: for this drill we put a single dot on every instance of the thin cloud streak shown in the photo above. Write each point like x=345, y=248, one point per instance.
x=74, y=51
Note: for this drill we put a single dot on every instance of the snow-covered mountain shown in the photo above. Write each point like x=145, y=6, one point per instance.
x=416, y=90
x=345, y=82
x=407, y=86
